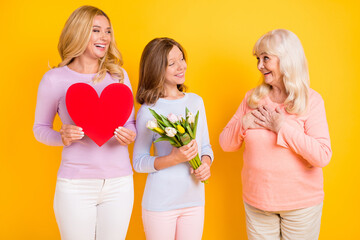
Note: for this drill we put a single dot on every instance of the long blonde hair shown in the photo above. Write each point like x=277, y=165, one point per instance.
x=153, y=64
x=75, y=37
x=293, y=65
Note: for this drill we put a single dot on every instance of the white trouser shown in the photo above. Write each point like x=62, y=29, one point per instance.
x=299, y=224
x=88, y=209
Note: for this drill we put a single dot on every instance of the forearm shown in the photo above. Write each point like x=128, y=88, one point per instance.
x=46, y=135
x=231, y=138
x=165, y=162
x=315, y=150
x=312, y=142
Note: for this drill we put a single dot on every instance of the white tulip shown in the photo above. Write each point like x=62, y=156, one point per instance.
x=191, y=117
x=170, y=132
x=172, y=118
x=151, y=124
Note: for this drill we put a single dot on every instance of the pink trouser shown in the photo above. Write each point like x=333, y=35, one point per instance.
x=179, y=224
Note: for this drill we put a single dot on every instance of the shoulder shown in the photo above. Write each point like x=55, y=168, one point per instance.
x=53, y=76
x=126, y=76
x=314, y=94
x=315, y=103
x=194, y=97
x=144, y=112
x=314, y=97
x=248, y=93
x=54, y=73
x=126, y=80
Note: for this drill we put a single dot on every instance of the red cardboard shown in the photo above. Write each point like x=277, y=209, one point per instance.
x=99, y=117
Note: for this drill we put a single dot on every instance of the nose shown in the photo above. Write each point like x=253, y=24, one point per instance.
x=104, y=36
x=181, y=65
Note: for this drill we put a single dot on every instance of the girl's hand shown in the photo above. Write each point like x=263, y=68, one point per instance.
x=124, y=136
x=269, y=119
x=70, y=133
x=185, y=153
x=202, y=173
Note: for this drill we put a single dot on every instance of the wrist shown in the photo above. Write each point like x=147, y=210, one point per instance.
x=206, y=159
x=278, y=127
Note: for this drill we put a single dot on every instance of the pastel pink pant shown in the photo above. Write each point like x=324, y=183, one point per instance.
x=179, y=224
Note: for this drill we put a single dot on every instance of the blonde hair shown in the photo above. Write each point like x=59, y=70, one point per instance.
x=153, y=64
x=75, y=37
x=285, y=45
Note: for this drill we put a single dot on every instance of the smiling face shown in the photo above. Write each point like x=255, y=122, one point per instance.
x=176, y=68
x=100, y=38
x=269, y=66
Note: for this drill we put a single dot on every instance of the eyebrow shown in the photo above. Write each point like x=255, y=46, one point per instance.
x=100, y=27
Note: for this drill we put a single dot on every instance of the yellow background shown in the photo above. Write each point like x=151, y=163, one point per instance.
x=218, y=37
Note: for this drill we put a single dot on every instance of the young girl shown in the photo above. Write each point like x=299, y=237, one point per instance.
x=94, y=190
x=173, y=200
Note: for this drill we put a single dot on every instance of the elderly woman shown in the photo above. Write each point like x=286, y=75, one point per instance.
x=283, y=124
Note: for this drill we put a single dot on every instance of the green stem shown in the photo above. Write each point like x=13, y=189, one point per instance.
x=195, y=164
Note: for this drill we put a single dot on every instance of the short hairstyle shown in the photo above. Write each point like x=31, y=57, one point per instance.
x=153, y=64
x=285, y=45
x=75, y=37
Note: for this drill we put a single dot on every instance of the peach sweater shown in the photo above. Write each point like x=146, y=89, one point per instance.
x=282, y=171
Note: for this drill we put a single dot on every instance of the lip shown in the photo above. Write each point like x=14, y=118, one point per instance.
x=100, y=46
x=180, y=75
x=267, y=73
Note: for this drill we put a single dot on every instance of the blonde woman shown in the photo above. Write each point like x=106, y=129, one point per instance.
x=284, y=127
x=174, y=198
x=94, y=190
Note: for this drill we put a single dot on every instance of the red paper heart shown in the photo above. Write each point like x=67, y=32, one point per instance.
x=99, y=117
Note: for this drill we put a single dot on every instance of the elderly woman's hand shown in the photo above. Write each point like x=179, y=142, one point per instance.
x=269, y=119
x=248, y=121
x=124, y=136
x=70, y=133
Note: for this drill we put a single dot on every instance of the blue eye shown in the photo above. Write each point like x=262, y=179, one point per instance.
x=266, y=58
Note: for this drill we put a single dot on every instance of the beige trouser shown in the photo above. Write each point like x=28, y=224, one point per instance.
x=299, y=224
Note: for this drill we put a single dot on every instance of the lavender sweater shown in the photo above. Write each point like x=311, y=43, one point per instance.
x=82, y=159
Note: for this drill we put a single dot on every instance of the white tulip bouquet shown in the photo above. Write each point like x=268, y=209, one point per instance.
x=177, y=130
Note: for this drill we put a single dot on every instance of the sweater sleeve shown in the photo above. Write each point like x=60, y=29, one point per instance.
x=130, y=123
x=46, y=109
x=143, y=162
x=205, y=141
x=313, y=144
x=232, y=136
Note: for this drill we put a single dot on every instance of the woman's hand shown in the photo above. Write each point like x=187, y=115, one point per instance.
x=202, y=173
x=269, y=119
x=124, y=136
x=248, y=121
x=70, y=133
x=185, y=153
